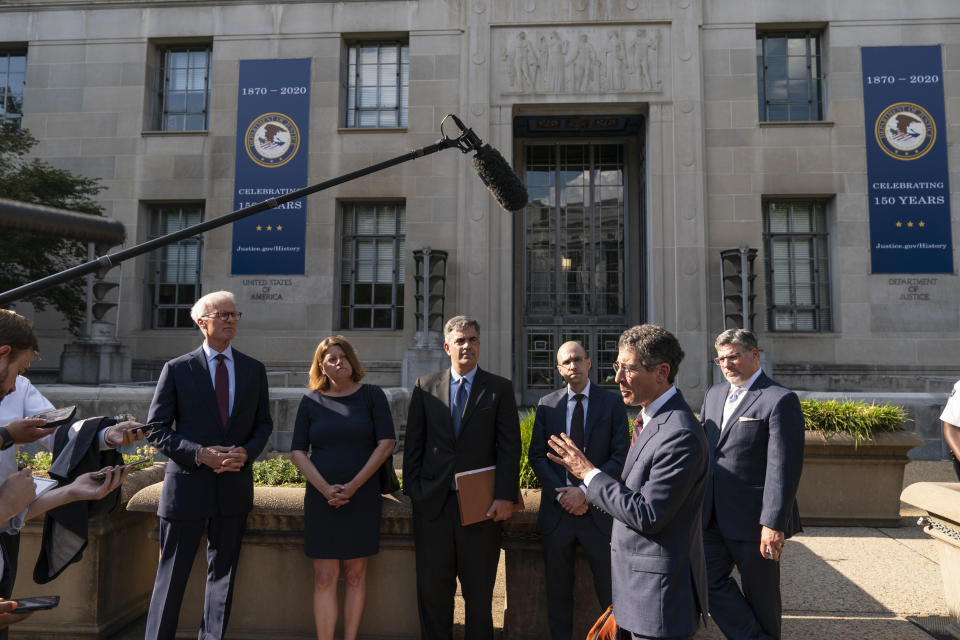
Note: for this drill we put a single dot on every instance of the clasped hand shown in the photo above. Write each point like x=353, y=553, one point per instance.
x=338, y=495
x=222, y=459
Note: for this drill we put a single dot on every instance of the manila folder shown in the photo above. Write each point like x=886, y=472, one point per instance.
x=475, y=494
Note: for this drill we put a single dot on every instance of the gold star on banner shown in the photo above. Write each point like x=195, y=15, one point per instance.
x=899, y=224
x=269, y=228
x=921, y=224
x=279, y=227
x=909, y=224
x=259, y=228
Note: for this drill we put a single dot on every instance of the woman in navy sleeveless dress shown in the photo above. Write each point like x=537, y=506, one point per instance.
x=343, y=433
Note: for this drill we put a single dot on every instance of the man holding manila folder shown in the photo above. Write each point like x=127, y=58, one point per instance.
x=460, y=419
x=596, y=421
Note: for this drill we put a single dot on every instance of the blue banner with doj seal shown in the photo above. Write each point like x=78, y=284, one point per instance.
x=907, y=173
x=273, y=117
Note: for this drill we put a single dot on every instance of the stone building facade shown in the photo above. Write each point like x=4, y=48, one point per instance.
x=646, y=131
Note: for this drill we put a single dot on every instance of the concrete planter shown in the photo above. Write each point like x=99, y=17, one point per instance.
x=942, y=501
x=526, y=598
x=108, y=588
x=273, y=593
x=845, y=484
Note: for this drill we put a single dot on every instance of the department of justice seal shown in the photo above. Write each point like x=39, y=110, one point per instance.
x=272, y=140
x=905, y=131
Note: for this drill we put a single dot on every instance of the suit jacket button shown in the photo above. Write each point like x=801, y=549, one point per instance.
x=435, y=450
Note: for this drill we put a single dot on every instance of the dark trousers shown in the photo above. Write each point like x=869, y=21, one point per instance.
x=446, y=551
x=11, y=546
x=559, y=555
x=179, y=541
x=753, y=612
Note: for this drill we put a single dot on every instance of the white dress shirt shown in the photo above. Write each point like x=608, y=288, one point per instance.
x=646, y=413
x=571, y=405
x=729, y=408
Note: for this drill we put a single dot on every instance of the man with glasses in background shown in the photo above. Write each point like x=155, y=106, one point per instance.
x=657, y=565
x=596, y=421
x=218, y=399
x=755, y=429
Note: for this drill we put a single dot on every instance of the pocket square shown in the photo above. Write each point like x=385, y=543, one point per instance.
x=746, y=419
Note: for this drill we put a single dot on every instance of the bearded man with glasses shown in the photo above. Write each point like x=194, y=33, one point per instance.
x=218, y=399
x=756, y=432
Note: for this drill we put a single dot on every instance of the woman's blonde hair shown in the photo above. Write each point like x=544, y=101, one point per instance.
x=318, y=379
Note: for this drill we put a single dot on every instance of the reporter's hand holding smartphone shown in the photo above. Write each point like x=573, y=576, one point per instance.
x=91, y=486
x=26, y=430
x=8, y=614
x=125, y=433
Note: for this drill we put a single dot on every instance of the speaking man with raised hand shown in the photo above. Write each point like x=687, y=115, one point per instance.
x=659, y=575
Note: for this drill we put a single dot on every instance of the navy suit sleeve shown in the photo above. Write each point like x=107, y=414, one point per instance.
x=262, y=422
x=163, y=409
x=784, y=462
x=414, y=442
x=678, y=463
x=507, y=479
x=550, y=479
x=619, y=442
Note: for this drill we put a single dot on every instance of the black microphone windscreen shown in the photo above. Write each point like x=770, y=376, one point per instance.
x=500, y=179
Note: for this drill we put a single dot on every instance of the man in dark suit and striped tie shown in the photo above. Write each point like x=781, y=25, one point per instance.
x=596, y=421
x=218, y=399
x=755, y=431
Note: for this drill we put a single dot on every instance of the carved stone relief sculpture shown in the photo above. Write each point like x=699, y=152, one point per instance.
x=569, y=60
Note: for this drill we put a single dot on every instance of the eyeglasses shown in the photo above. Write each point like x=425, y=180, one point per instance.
x=572, y=362
x=223, y=315
x=627, y=371
x=732, y=358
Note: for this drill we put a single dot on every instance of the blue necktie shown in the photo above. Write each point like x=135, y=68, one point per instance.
x=734, y=395
x=459, y=402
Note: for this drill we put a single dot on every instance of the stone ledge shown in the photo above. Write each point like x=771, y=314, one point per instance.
x=940, y=499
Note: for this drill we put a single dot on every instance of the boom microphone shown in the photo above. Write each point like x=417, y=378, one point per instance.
x=492, y=167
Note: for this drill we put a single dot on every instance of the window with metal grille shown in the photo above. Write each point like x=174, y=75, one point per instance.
x=183, y=95
x=789, y=76
x=376, y=85
x=797, y=265
x=372, y=265
x=13, y=71
x=173, y=279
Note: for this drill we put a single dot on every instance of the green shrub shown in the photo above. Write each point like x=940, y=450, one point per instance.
x=859, y=419
x=277, y=472
x=40, y=461
x=528, y=480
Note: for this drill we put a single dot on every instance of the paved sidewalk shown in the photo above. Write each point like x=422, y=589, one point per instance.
x=838, y=582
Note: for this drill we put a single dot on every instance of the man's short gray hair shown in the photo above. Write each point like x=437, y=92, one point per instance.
x=459, y=323
x=202, y=306
x=653, y=344
x=743, y=337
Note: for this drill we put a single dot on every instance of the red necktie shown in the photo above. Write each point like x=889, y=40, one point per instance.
x=222, y=387
x=637, y=428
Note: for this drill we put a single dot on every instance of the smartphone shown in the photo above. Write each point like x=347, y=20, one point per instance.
x=101, y=475
x=36, y=603
x=57, y=417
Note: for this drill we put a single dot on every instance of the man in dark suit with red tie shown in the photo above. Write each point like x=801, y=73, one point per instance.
x=755, y=429
x=656, y=551
x=460, y=419
x=217, y=399
x=596, y=421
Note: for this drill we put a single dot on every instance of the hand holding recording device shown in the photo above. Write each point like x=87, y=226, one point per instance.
x=57, y=417
x=35, y=603
x=101, y=475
